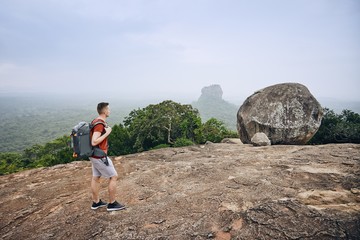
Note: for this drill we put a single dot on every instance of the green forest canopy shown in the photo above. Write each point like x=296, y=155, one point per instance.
x=167, y=124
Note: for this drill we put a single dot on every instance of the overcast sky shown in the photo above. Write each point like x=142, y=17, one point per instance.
x=173, y=48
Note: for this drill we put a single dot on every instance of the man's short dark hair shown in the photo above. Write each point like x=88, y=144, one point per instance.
x=101, y=106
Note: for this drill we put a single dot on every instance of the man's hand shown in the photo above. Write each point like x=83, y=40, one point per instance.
x=108, y=130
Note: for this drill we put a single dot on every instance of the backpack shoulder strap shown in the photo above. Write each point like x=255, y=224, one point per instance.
x=96, y=122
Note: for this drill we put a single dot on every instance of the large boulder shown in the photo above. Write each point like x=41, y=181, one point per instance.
x=287, y=113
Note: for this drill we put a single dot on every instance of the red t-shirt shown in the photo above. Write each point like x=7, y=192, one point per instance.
x=100, y=128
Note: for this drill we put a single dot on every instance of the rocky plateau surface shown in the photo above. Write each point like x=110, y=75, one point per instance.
x=214, y=191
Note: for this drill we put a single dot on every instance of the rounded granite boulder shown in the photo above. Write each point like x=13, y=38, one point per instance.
x=287, y=113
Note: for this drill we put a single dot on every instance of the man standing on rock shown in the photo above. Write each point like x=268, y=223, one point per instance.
x=103, y=166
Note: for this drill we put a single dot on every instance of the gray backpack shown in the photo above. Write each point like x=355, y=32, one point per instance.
x=81, y=141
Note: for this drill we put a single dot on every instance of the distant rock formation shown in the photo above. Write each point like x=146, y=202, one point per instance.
x=211, y=105
x=213, y=92
x=287, y=113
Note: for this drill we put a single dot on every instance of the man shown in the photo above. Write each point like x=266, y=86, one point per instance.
x=103, y=166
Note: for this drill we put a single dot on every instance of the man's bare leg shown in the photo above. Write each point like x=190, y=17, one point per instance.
x=112, y=189
x=95, y=188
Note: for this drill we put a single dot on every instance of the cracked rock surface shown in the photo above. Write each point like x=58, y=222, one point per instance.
x=216, y=191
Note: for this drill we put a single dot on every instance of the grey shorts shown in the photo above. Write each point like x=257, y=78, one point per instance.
x=99, y=168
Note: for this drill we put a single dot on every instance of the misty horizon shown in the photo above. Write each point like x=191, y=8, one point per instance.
x=183, y=97
x=86, y=100
x=171, y=49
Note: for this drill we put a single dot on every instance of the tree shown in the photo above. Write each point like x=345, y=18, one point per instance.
x=338, y=128
x=119, y=141
x=212, y=130
x=160, y=124
x=11, y=162
x=32, y=155
x=57, y=152
x=52, y=153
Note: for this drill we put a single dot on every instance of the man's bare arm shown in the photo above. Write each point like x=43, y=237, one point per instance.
x=97, y=138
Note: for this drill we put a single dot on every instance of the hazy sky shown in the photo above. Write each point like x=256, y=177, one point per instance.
x=172, y=48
